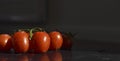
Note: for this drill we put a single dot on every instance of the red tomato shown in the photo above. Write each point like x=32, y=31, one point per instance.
x=5, y=42
x=56, y=40
x=67, y=42
x=41, y=42
x=20, y=42
x=31, y=46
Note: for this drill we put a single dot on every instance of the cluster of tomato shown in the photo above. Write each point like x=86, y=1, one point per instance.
x=36, y=40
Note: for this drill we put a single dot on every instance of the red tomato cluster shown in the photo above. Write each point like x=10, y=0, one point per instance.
x=37, y=42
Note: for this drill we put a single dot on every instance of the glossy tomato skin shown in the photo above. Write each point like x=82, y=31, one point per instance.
x=56, y=40
x=5, y=42
x=31, y=46
x=41, y=42
x=20, y=42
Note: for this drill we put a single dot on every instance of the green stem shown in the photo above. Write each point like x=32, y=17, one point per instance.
x=27, y=30
x=34, y=30
x=38, y=29
x=31, y=33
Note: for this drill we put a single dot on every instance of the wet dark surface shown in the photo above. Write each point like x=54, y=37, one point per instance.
x=62, y=55
x=82, y=50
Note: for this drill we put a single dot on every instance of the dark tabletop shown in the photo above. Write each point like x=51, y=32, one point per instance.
x=62, y=55
x=82, y=50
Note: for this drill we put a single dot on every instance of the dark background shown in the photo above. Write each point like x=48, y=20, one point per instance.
x=96, y=20
x=93, y=20
x=15, y=14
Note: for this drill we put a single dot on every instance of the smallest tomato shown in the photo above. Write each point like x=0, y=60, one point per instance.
x=5, y=42
x=67, y=42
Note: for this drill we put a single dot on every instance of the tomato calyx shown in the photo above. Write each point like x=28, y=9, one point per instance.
x=36, y=29
x=26, y=30
x=68, y=34
x=31, y=31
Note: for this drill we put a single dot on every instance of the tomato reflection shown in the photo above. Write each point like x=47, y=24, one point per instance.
x=44, y=57
x=41, y=57
x=3, y=58
x=22, y=58
x=30, y=55
x=49, y=56
x=18, y=57
x=55, y=56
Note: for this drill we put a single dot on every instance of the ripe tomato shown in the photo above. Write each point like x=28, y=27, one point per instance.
x=31, y=46
x=41, y=42
x=67, y=42
x=5, y=42
x=56, y=40
x=20, y=42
